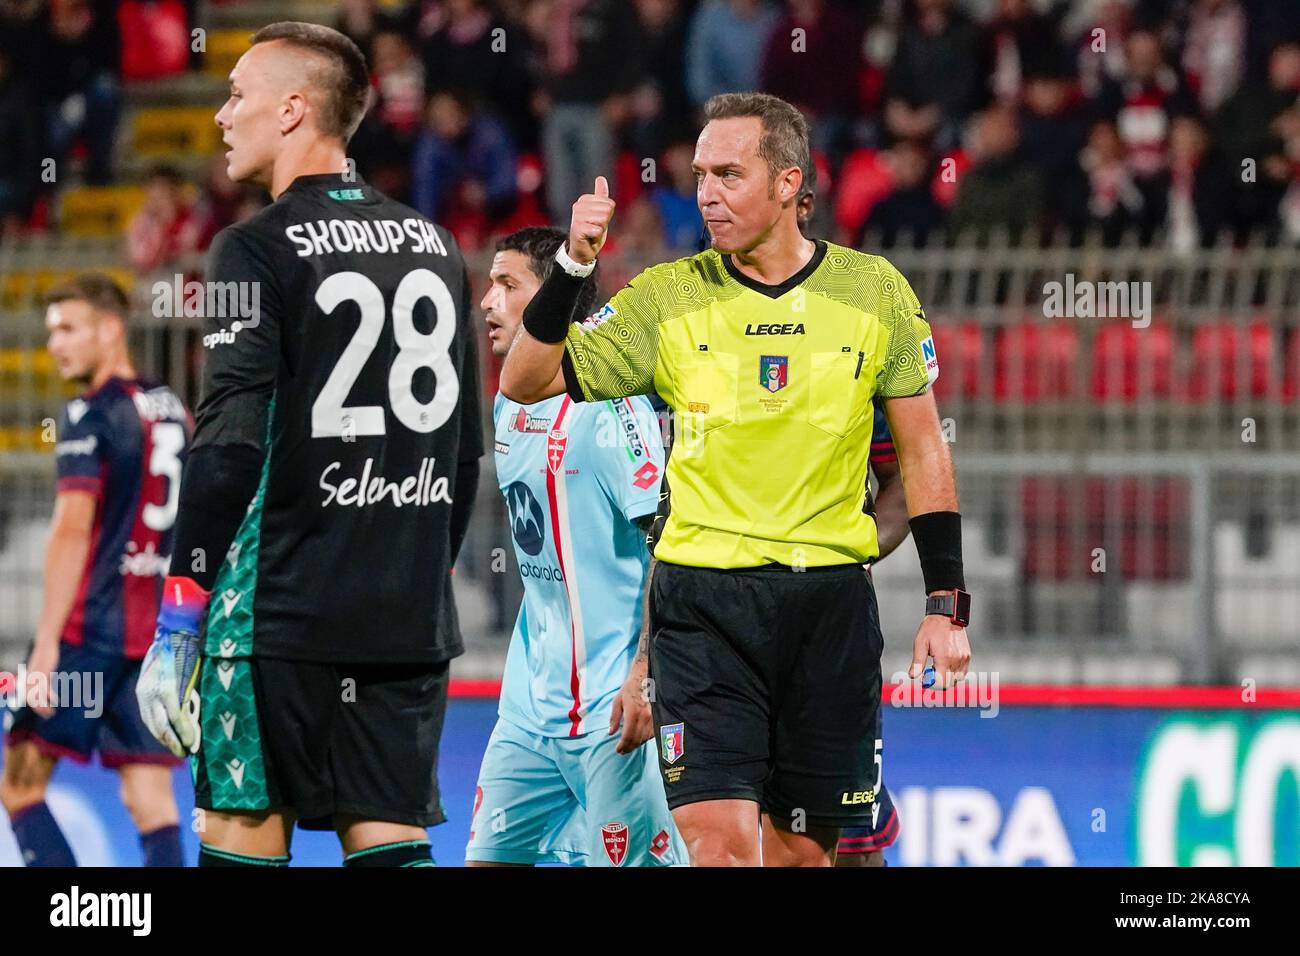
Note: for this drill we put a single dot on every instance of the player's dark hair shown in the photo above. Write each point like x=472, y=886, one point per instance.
x=784, y=142
x=344, y=79
x=539, y=243
x=95, y=288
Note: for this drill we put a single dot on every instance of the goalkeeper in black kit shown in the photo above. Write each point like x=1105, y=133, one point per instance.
x=301, y=654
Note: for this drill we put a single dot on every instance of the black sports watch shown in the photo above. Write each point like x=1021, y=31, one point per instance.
x=955, y=606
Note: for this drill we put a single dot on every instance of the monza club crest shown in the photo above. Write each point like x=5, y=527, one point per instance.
x=772, y=371
x=614, y=838
x=556, y=444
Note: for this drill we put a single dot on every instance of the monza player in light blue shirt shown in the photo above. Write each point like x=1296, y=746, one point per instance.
x=567, y=776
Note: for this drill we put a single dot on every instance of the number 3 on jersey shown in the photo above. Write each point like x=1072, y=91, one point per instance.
x=330, y=418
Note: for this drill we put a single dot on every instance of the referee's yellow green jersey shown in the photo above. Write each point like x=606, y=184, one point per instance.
x=771, y=388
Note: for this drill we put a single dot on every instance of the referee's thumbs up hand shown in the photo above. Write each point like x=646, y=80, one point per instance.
x=590, y=223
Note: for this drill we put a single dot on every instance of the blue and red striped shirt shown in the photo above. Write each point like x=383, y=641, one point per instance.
x=882, y=440
x=125, y=442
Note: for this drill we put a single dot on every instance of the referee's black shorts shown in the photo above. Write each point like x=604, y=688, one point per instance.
x=767, y=688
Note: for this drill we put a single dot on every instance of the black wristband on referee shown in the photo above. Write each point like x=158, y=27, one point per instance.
x=938, y=543
x=548, y=316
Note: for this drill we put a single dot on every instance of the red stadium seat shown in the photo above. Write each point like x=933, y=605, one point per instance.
x=871, y=86
x=947, y=174
x=1143, y=524
x=1219, y=351
x=1291, y=372
x=1130, y=363
x=960, y=348
x=1034, y=361
x=528, y=211
x=627, y=184
x=865, y=179
x=155, y=38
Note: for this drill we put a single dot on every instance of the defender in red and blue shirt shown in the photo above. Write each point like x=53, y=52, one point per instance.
x=865, y=846
x=119, y=450
x=123, y=443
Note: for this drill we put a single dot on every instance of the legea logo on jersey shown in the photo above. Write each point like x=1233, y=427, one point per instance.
x=775, y=328
x=525, y=518
x=772, y=372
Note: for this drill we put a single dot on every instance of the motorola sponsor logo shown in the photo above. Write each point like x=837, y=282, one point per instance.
x=526, y=521
x=540, y=571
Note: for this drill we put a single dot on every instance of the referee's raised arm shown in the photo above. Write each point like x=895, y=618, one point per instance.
x=532, y=369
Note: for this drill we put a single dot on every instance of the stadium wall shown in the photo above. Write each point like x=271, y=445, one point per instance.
x=1031, y=776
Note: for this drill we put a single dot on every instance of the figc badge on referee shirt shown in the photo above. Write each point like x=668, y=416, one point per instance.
x=772, y=371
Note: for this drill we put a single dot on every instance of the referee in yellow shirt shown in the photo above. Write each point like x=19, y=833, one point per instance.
x=764, y=635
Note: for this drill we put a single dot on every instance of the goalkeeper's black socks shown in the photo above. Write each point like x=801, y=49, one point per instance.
x=406, y=853
x=211, y=856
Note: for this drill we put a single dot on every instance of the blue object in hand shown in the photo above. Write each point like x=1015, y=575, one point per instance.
x=927, y=677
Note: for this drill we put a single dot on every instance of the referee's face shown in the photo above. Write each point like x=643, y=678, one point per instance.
x=739, y=200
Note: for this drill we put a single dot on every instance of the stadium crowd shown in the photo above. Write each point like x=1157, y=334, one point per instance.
x=1172, y=121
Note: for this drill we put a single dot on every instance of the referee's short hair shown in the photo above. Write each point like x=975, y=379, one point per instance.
x=784, y=142
x=538, y=245
x=344, y=78
x=98, y=290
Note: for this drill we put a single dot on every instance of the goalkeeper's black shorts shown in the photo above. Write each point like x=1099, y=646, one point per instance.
x=316, y=740
x=767, y=687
